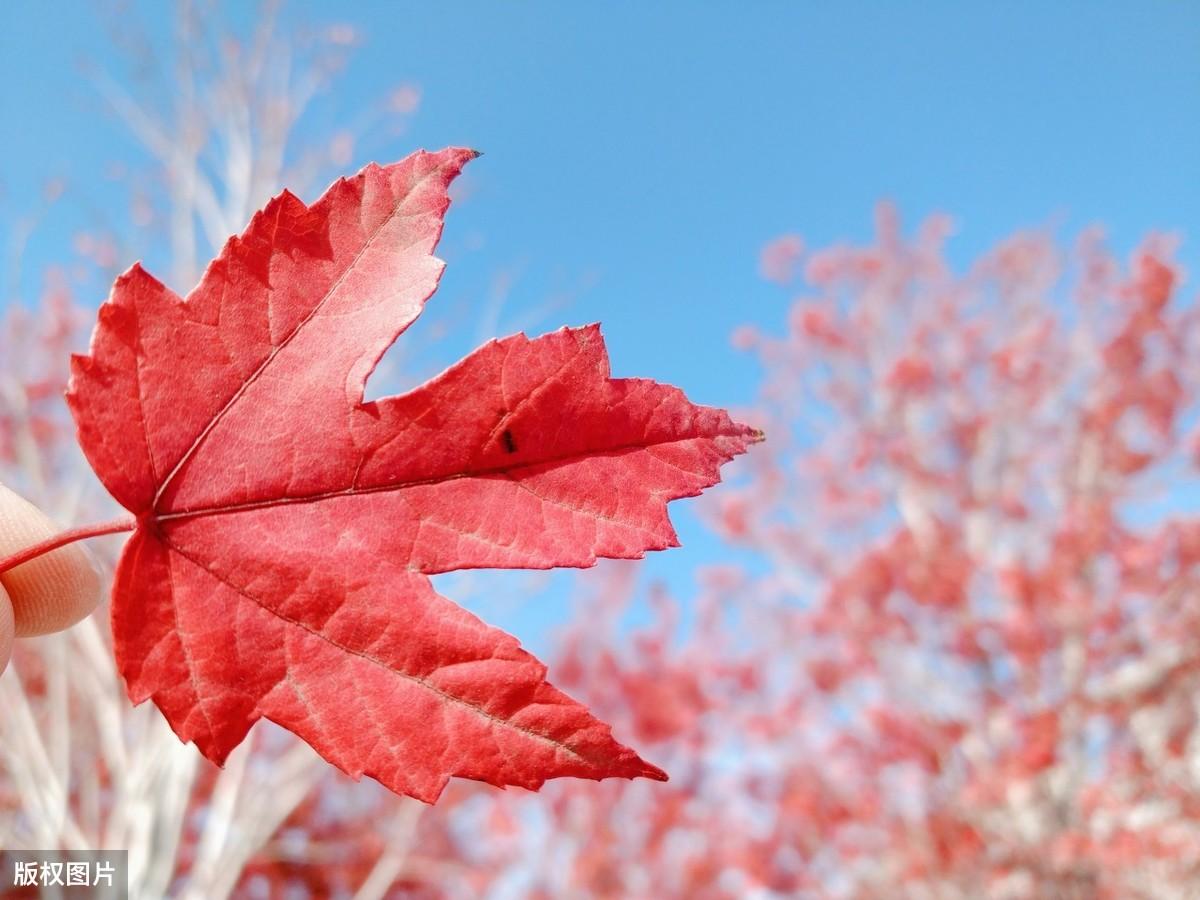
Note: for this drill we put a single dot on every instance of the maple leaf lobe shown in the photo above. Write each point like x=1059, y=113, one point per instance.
x=287, y=528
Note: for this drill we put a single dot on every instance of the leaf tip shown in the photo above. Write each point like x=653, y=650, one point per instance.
x=653, y=772
x=134, y=271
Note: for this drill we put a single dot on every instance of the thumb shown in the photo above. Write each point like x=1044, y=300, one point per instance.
x=46, y=594
x=6, y=628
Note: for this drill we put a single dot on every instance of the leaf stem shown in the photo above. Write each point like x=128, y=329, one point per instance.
x=70, y=536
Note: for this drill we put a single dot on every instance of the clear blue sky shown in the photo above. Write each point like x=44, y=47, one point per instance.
x=650, y=149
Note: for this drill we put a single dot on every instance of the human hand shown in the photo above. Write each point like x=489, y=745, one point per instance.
x=47, y=594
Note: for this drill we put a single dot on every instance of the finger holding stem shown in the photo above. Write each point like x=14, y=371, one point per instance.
x=50, y=590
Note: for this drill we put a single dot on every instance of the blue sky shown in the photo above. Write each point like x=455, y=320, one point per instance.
x=638, y=155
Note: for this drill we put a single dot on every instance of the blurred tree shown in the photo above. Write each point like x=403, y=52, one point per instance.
x=990, y=491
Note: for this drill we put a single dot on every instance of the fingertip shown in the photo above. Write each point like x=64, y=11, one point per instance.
x=49, y=593
x=6, y=629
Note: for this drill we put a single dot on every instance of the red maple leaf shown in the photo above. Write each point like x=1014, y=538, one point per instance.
x=286, y=527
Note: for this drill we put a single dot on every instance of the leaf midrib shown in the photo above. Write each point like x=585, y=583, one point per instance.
x=318, y=497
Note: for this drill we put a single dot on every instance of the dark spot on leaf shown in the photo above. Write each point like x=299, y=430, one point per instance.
x=510, y=446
